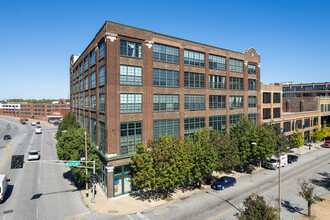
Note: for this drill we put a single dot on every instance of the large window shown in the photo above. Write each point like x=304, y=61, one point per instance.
x=276, y=113
x=86, y=83
x=217, y=101
x=194, y=102
x=87, y=124
x=307, y=88
x=166, y=53
x=217, y=62
x=81, y=68
x=252, y=84
x=299, y=124
x=93, y=130
x=236, y=102
x=102, y=137
x=81, y=85
x=102, y=75
x=266, y=97
x=252, y=102
x=193, y=124
x=130, y=103
x=86, y=102
x=218, y=123
x=286, y=89
x=236, y=83
x=169, y=78
x=252, y=69
x=286, y=126
x=86, y=63
x=102, y=50
x=296, y=89
x=233, y=119
x=166, y=127
x=307, y=122
x=93, y=102
x=194, y=58
x=319, y=88
x=276, y=98
x=81, y=102
x=253, y=117
x=194, y=80
x=92, y=54
x=130, y=75
x=130, y=136
x=235, y=65
x=166, y=102
x=130, y=49
x=102, y=102
x=93, y=80
x=217, y=82
x=266, y=113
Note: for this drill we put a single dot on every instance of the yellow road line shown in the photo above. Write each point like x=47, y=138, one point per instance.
x=3, y=166
x=239, y=204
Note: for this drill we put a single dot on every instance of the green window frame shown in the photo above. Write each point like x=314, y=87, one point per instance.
x=102, y=75
x=194, y=102
x=253, y=117
x=194, y=80
x=194, y=58
x=166, y=127
x=252, y=69
x=93, y=130
x=130, y=75
x=233, y=119
x=167, y=78
x=164, y=53
x=252, y=101
x=252, y=84
x=130, y=102
x=217, y=82
x=236, y=102
x=236, y=83
x=102, y=103
x=217, y=62
x=217, y=101
x=93, y=102
x=218, y=123
x=102, y=138
x=165, y=102
x=130, y=49
x=235, y=65
x=193, y=124
x=130, y=136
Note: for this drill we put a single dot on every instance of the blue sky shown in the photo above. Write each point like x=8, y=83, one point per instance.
x=38, y=37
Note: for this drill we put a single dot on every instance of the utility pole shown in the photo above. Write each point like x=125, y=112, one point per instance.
x=86, y=164
x=279, y=185
x=93, y=198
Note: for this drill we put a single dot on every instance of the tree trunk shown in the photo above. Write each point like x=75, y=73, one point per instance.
x=309, y=210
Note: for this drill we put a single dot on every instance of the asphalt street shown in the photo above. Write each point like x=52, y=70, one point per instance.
x=40, y=190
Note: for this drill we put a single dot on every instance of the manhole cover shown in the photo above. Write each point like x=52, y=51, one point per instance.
x=8, y=211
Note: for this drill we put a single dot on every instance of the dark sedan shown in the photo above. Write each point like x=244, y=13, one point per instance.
x=292, y=158
x=223, y=182
x=6, y=137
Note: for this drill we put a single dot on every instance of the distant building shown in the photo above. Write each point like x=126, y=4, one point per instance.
x=294, y=90
x=36, y=110
x=130, y=85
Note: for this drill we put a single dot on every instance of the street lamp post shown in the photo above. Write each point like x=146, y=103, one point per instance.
x=279, y=179
x=86, y=164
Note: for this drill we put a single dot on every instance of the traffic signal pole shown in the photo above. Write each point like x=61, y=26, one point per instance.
x=93, y=198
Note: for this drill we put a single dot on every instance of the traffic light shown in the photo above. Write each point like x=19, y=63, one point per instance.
x=17, y=161
x=94, y=177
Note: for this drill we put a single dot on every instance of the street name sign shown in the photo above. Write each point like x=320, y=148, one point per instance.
x=73, y=163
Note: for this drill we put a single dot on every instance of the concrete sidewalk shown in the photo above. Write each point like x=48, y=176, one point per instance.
x=128, y=204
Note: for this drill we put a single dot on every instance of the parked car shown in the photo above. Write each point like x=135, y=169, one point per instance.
x=292, y=158
x=326, y=143
x=3, y=187
x=223, y=182
x=38, y=130
x=8, y=125
x=56, y=123
x=6, y=137
x=38, y=122
x=33, y=124
x=33, y=155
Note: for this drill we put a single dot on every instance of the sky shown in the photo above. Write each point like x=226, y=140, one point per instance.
x=37, y=38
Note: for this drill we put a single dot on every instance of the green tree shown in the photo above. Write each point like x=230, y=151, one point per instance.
x=226, y=152
x=317, y=134
x=307, y=192
x=297, y=139
x=325, y=130
x=203, y=156
x=255, y=208
x=71, y=146
x=69, y=121
x=241, y=133
x=282, y=141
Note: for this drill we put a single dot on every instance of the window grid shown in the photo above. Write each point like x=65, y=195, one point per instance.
x=253, y=117
x=93, y=80
x=217, y=62
x=307, y=122
x=166, y=127
x=102, y=137
x=102, y=76
x=252, y=84
x=93, y=130
x=86, y=63
x=130, y=49
x=218, y=123
x=217, y=102
x=130, y=75
x=86, y=102
x=266, y=113
x=102, y=50
x=236, y=83
x=130, y=103
x=287, y=126
x=217, y=82
x=81, y=68
x=130, y=136
x=235, y=65
x=81, y=85
x=86, y=83
x=166, y=102
x=191, y=125
x=102, y=102
x=194, y=58
x=252, y=101
x=93, y=58
x=169, y=78
x=266, y=97
x=93, y=102
x=276, y=98
x=194, y=80
x=252, y=69
x=276, y=112
x=233, y=119
x=165, y=53
x=87, y=124
x=236, y=102
x=81, y=102
x=194, y=102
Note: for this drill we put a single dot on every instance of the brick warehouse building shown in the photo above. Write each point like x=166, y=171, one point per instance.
x=131, y=85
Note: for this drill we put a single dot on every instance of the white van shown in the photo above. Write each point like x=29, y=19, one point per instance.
x=273, y=162
x=3, y=186
x=38, y=131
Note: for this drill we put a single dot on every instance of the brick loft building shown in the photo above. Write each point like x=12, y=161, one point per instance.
x=40, y=111
x=131, y=85
x=294, y=90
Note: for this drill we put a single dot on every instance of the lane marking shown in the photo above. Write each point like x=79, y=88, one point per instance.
x=38, y=180
x=141, y=216
x=37, y=212
x=239, y=204
x=8, y=155
x=130, y=217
